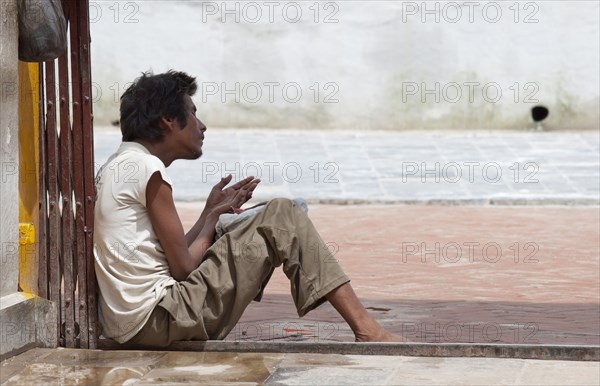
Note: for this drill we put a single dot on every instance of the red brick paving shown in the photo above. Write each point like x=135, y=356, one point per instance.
x=548, y=292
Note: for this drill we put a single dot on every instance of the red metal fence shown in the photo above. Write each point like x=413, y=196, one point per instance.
x=67, y=185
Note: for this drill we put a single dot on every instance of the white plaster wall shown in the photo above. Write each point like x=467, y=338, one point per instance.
x=371, y=56
x=9, y=150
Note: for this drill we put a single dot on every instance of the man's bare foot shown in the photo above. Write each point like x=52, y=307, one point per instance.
x=364, y=326
x=381, y=335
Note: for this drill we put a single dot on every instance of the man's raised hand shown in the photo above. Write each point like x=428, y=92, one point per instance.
x=223, y=200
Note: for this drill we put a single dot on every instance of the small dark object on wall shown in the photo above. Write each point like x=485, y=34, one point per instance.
x=539, y=114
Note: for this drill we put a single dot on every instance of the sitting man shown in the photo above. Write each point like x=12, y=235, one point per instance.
x=159, y=284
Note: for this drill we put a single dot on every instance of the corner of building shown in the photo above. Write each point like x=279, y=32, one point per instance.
x=26, y=320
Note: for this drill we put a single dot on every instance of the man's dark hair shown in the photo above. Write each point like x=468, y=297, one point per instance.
x=152, y=97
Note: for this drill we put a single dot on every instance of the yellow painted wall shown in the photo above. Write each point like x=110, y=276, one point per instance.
x=28, y=175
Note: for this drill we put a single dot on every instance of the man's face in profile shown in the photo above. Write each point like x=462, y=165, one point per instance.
x=191, y=136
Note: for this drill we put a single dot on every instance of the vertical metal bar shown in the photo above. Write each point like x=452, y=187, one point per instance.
x=66, y=194
x=78, y=176
x=42, y=246
x=88, y=168
x=52, y=184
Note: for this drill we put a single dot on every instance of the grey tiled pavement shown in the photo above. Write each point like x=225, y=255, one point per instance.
x=96, y=367
x=394, y=167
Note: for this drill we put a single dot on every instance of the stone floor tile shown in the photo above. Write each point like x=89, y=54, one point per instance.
x=72, y=366
x=378, y=361
x=329, y=375
x=213, y=368
x=559, y=373
x=13, y=365
x=100, y=358
x=457, y=371
x=316, y=360
x=57, y=374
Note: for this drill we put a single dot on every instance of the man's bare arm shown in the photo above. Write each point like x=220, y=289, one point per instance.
x=215, y=198
x=184, y=258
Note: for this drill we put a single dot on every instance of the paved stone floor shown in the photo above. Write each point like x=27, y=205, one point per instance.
x=445, y=274
x=94, y=367
x=345, y=166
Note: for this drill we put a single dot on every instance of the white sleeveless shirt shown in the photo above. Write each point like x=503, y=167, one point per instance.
x=131, y=267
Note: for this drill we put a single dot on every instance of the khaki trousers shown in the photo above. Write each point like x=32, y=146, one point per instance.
x=209, y=303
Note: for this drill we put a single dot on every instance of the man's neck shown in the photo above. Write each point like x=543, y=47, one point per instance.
x=158, y=149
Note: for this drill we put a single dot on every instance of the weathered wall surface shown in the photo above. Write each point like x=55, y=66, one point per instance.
x=9, y=149
x=359, y=64
x=25, y=320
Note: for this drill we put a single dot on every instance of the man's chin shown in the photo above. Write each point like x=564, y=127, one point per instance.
x=193, y=155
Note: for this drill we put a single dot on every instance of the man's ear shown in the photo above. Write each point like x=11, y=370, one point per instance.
x=168, y=123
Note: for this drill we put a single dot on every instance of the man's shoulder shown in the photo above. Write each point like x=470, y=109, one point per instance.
x=134, y=162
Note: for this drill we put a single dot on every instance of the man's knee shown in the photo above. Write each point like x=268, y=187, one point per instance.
x=280, y=206
x=283, y=211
